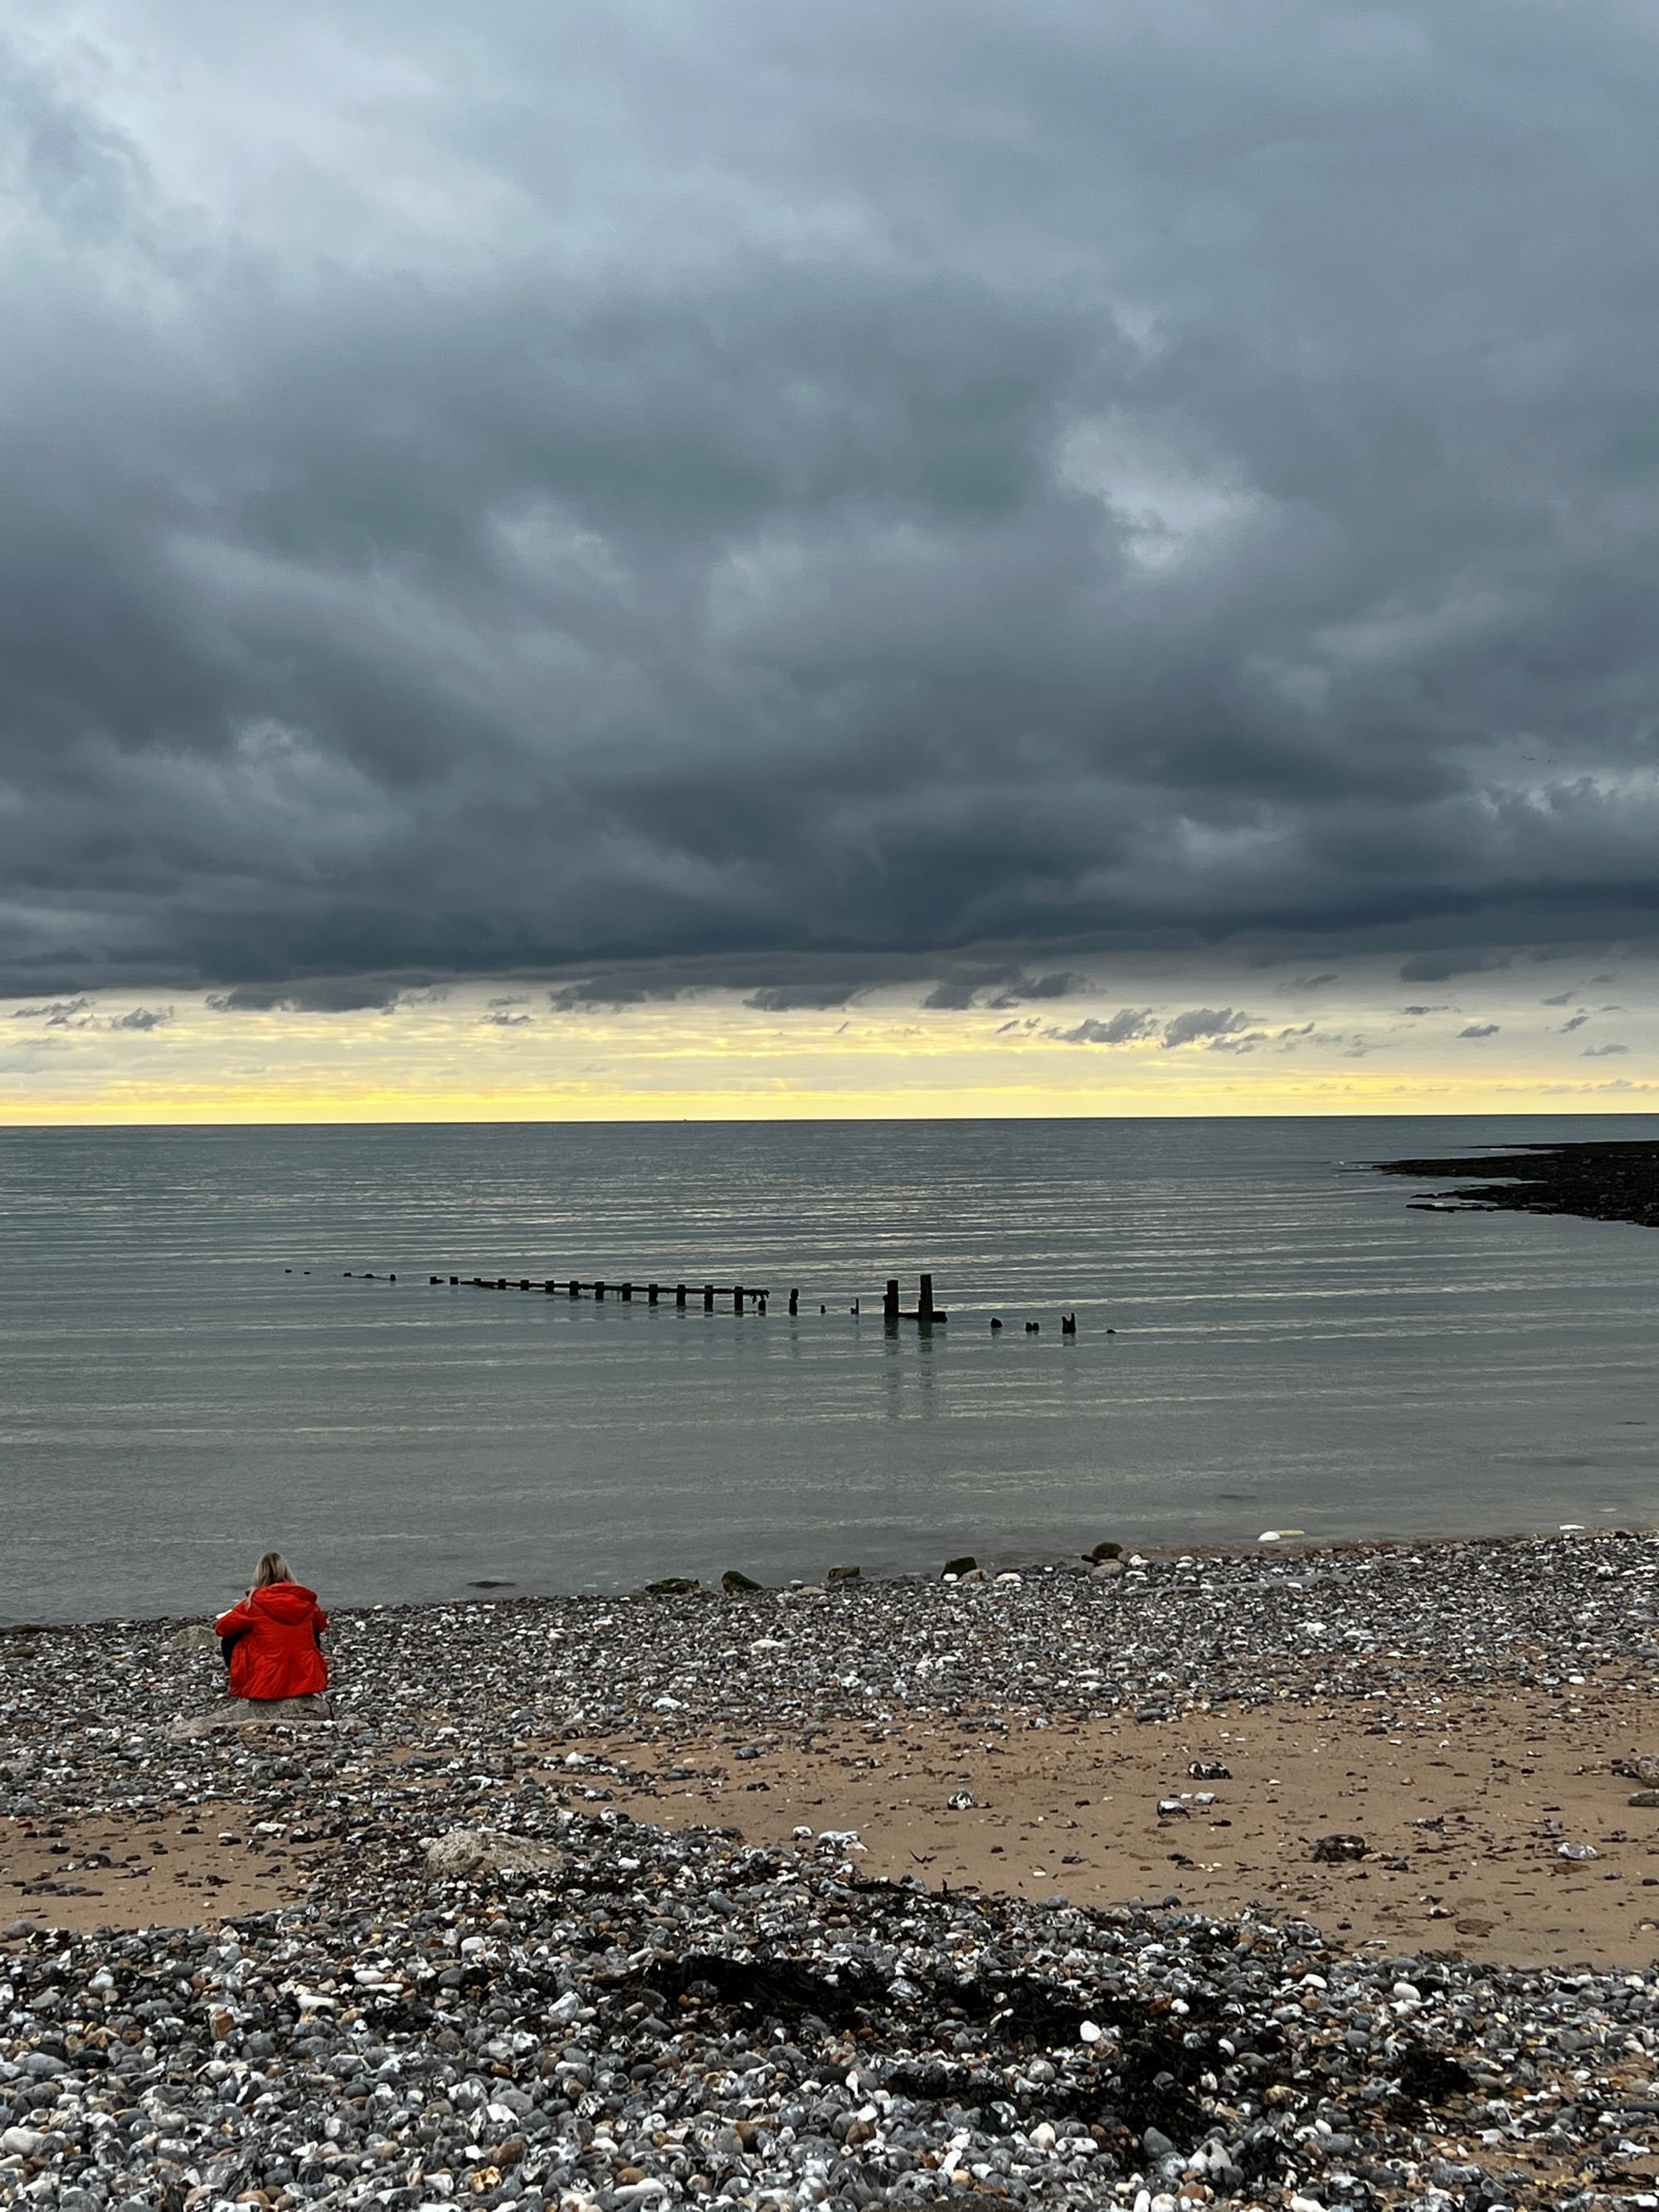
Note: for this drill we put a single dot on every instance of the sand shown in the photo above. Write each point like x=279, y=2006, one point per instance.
x=126, y=1870
x=1461, y=1809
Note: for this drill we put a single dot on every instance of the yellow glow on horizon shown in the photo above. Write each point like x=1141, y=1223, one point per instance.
x=471, y=1057
x=780, y=1099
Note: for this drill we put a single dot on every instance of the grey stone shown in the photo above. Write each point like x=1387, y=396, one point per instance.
x=487, y=1851
x=251, y=1713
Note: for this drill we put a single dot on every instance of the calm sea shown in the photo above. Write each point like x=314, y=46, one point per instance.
x=1293, y=1348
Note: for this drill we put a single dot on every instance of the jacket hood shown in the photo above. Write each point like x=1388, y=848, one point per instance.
x=284, y=1601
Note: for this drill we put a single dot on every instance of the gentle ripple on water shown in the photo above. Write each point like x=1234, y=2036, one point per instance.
x=1294, y=1346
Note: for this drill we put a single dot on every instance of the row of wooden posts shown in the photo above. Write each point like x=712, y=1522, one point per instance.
x=924, y=1311
x=654, y=1292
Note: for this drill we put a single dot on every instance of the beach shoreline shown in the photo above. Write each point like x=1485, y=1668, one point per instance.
x=638, y=1808
x=1022, y=1559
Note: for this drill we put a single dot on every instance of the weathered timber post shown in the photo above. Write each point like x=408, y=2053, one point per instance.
x=575, y=1288
x=628, y=1292
x=709, y=1297
x=598, y=1289
x=737, y=1298
x=679, y=1294
x=889, y=1306
x=925, y=1302
x=651, y=1291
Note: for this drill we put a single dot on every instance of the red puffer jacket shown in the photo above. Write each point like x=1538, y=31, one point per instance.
x=276, y=1653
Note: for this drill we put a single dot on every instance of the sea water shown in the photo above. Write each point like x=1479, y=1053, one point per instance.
x=193, y=1366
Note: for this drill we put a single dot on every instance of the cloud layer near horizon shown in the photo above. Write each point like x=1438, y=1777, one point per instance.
x=760, y=488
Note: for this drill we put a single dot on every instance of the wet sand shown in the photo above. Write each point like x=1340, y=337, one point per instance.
x=1460, y=1810
x=115, y=1869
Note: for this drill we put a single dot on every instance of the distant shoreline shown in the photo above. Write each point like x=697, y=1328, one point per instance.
x=1614, y=1179
x=1297, y=1545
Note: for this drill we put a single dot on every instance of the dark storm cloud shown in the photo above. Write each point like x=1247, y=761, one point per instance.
x=1203, y=1022
x=607, y=484
x=1061, y=983
x=790, y=997
x=602, y=995
x=1127, y=1026
x=1002, y=987
x=327, y=995
x=1132, y=1024
x=1441, y=967
x=1479, y=1029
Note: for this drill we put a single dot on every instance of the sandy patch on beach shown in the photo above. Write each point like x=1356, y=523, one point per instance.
x=123, y=1870
x=1463, y=1807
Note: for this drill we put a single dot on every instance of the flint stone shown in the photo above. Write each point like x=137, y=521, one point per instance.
x=674, y=1586
x=1329, y=1850
x=733, y=1581
x=965, y=1566
x=845, y=1574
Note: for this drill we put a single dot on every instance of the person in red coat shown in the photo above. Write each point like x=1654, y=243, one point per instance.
x=272, y=1640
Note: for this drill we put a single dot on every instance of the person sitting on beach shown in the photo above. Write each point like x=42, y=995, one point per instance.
x=272, y=1640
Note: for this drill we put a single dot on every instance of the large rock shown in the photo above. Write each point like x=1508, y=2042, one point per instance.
x=674, y=1586
x=489, y=1850
x=252, y=1712
x=735, y=1584
x=195, y=1636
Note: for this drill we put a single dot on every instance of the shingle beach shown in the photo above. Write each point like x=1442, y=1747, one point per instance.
x=1307, y=1876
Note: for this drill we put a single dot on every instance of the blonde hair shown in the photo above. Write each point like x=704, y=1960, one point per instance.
x=273, y=1568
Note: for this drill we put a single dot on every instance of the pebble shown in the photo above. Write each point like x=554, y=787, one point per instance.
x=501, y=1991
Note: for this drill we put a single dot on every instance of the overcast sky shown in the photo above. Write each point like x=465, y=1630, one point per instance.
x=952, y=500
